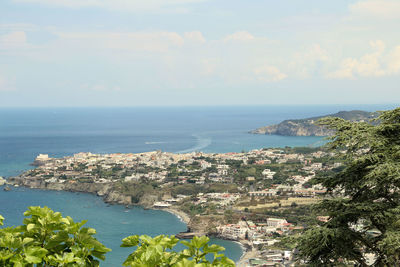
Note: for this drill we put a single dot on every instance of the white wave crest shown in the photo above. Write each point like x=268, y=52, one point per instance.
x=201, y=143
x=154, y=143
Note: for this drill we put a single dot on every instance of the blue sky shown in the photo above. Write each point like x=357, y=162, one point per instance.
x=198, y=52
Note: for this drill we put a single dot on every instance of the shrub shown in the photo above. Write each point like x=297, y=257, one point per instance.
x=158, y=251
x=47, y=238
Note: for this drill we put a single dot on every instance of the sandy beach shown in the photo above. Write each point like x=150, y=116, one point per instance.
x=180, y=214
x=249, y=254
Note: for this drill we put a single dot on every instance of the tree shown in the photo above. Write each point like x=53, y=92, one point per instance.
x=158, y=252
x=48, y=239
x=363, y=202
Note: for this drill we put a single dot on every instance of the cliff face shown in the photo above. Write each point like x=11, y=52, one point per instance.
x=105, y=190
x=205, y=224
x=309, y=126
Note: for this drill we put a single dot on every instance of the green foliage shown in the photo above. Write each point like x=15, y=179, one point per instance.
x=301, y=150
x=186, y=189
x=48, y=239
x=158, y=252
x=194, y=189
x=192, y=209
x=286, y=243
x=136, y=190
x=364, y=201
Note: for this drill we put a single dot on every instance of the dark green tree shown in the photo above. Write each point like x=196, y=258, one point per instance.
x=363, y=201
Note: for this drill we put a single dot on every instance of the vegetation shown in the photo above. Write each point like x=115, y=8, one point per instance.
x=48, y=239
x=136, y=190
x=308, y=127
x=364, y=203
x=158, y=252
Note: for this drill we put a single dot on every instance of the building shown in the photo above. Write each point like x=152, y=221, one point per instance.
x=275, y=222
x=268, y=174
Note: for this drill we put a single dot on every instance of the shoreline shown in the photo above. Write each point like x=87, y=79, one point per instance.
x=243, y=261
x=182, y=216
x=246, y=253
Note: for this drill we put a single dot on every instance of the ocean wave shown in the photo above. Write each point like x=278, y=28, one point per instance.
x=201, y=143
x=154, y=142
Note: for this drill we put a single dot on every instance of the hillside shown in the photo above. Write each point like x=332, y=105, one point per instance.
x=309, y=127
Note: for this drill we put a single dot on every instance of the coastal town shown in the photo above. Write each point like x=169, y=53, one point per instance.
x=260, y=198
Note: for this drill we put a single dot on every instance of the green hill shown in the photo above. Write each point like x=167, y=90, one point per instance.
x=308, y=126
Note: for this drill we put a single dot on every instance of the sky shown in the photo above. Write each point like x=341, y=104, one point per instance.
x=62, y=53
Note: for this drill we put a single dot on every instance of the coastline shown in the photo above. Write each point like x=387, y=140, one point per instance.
x=185, y=218
x=248, y=254
x=180, y=214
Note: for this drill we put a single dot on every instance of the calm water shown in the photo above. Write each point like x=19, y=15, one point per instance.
x=112, y=223
x=24, y=133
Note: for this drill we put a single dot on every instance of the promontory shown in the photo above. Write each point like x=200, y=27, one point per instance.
x=310, y=127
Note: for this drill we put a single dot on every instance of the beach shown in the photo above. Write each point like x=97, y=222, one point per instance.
x=249, y=254
x=180, y=214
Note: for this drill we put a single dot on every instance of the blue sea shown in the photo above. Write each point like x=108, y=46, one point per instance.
x=27, y=132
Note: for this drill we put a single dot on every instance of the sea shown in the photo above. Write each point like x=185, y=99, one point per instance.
x=27, y=132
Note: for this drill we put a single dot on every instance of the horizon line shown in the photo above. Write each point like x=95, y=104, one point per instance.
x=205, y=106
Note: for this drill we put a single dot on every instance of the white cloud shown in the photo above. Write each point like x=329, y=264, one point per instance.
x=306, y=63
x=100, y=87
x=6, y=84
x=394, y=61
x=15, y=39
x=268, y=73
x=195, y=36
x=139, y=41
x=375, y=64
x=209, y=65
x=240, y=36
x=15, y=27
x=382, y=9
x=238, y=58
x=122, y=5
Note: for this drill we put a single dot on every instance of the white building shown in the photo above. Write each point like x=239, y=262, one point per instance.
x=263, y=193
x=268, y=174
x=233, y=231
x=223, y=169
x=275, y=222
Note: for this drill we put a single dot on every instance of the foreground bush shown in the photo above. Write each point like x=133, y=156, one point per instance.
x=158, y=252
x=48, y=239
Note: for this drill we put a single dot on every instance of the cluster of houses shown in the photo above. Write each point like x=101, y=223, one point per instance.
x=259, y=234
x=200, y=169
x=219, y=199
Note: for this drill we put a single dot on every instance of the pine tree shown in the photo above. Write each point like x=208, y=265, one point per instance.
x=363, y=201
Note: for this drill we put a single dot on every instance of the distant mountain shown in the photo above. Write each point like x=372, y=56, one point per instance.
x=308, y=127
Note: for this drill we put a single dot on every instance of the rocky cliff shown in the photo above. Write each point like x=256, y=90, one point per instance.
x=309, y=126
x=104, y=190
